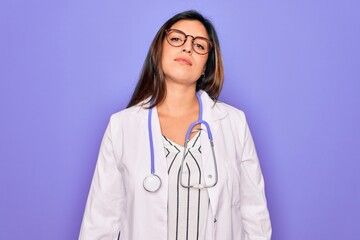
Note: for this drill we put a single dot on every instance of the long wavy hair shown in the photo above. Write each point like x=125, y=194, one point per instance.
x=152, y=79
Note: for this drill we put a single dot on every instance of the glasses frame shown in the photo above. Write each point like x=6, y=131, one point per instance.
x=210, y=43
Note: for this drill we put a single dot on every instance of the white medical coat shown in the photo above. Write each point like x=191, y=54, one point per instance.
x=118, y=203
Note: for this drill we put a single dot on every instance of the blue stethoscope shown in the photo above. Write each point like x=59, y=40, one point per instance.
x=152, y=182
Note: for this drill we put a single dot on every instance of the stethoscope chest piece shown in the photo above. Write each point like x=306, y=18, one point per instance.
x=152, y=183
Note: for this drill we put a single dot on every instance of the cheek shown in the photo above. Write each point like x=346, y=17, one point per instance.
x=202, y=63
x=165, y=64
x=166, y=57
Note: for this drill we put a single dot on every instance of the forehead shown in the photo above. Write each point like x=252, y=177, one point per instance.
x=191, y=27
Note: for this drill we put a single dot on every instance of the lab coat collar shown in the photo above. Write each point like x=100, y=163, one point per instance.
x=211, y=112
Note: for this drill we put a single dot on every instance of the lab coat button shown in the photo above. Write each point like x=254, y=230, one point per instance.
x=209, y=176
x=215, y=220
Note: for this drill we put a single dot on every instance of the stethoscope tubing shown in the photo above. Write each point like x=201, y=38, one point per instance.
x=150, y=179
x=151, y=140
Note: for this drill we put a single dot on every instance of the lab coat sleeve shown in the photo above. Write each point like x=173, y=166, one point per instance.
x=102, y=215
x=254, y=210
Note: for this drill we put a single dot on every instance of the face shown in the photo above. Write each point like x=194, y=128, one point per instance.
x=182, y=65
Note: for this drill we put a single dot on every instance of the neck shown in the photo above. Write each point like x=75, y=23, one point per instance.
x=179, y=102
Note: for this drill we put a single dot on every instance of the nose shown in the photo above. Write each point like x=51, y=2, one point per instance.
x=187, y=47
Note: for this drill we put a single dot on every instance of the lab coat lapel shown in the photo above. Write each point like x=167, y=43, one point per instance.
x=213, y=115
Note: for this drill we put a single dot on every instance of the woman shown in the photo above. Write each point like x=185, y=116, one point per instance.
x=148, y=184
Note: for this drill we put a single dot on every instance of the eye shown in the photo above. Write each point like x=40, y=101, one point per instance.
x=199, y=46
x=176, y=39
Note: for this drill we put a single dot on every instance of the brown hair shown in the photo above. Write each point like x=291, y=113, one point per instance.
x=152, y=79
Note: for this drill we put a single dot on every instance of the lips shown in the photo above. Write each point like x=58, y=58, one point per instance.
x=183, y=60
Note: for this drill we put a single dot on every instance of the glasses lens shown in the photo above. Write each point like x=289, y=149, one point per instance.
x=175, y=38
x=201, y=45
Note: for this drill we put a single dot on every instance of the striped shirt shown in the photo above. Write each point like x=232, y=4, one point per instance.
x=187, y=208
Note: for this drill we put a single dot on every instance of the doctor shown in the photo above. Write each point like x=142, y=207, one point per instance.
x=177, y=164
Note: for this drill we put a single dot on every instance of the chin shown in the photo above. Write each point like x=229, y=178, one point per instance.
x=183, y=77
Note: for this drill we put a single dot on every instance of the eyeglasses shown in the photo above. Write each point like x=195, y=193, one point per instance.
x=177, y=38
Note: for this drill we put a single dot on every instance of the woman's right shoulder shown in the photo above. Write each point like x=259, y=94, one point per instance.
x=131, y=114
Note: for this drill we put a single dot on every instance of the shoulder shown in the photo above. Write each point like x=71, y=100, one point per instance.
x=125, y=113
x=223, y=109
x=230, y=109
x=128, y=116
x=234, y=114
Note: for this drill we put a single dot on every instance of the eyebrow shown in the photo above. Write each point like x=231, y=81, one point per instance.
x=189, y=34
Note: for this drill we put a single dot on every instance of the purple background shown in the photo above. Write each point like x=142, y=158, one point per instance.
x=292, y=66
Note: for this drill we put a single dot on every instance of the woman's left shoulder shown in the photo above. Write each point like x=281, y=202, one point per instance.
x=229, y=108
x=231, y=111
x=222, y=110
x=220, y=106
